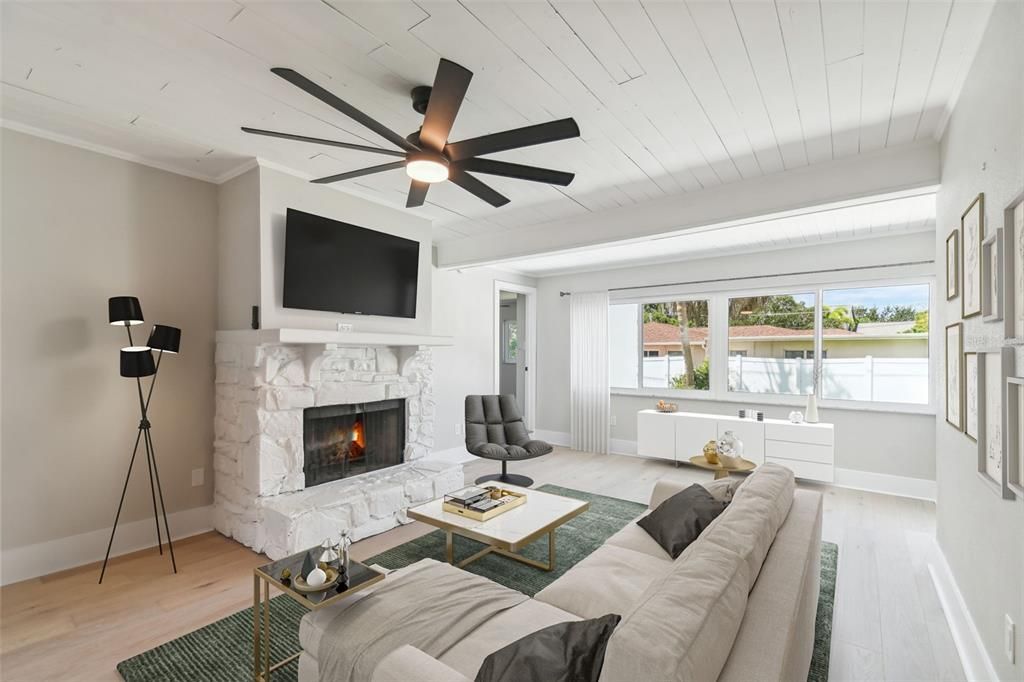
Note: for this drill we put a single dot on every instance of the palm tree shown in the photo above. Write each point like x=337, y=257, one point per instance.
x=684, y=339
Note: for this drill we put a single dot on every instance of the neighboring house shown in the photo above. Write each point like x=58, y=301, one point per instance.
x=883, y=339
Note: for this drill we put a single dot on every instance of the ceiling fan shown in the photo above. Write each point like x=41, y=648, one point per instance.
x=427, y=155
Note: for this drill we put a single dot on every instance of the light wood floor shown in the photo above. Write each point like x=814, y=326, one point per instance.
x=887, y=624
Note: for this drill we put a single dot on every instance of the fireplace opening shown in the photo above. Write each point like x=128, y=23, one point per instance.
x=348, y=440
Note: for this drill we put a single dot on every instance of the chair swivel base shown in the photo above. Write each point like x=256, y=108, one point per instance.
x=511, y=479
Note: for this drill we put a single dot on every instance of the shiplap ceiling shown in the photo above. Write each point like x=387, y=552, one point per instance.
x=671, y=97
x=868, y=220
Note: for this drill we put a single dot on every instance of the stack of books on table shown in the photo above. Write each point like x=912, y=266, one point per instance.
x=481, y=503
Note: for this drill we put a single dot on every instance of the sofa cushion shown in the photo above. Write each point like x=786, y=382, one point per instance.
x=635, y=538
x=505, y=628
x=683, y=625
x=311, y=627
x=610, y=580
x=680, y=519
x=564, y=652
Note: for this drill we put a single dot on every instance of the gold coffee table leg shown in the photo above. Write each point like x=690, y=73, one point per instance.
x=721, y=473
x=449, y=547
x=256, y=634
x=491, y=549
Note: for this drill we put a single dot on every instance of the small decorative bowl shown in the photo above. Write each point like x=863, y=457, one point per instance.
x=667, y=407
x=300, y=585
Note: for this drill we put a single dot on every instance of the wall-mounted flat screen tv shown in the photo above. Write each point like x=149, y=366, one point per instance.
x=342, y=268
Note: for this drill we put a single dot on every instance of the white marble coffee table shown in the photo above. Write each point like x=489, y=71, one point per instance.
x=505, y=534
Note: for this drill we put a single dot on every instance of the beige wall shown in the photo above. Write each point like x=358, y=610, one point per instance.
x=77, y=228
x=981, y=534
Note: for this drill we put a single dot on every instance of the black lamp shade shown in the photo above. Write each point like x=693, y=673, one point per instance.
x=165, y=338
x=124, y=310
x=137, y=361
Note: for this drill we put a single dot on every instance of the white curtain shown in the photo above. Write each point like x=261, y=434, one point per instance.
x=589, y=401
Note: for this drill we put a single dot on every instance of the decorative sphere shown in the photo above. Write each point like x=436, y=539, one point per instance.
x=316, y=578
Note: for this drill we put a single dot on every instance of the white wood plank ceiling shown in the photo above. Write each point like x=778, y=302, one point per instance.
x=671, y=97
x=867, y=220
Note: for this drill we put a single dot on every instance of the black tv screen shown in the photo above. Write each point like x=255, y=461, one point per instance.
x=342, y=268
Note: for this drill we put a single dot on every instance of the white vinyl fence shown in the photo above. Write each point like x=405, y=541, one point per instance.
x=896, y=380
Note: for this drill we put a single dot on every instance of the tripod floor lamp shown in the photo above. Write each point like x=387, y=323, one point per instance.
x=137, y=363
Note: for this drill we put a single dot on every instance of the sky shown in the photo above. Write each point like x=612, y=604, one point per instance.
x=915, y=295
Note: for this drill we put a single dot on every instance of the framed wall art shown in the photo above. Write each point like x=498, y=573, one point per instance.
x=993, y=369
x=992, y=276
x=1013, y=276
x=972, y=226
x=953, y=265
x=1015, y=433
x=971, y=395
x=954, y=375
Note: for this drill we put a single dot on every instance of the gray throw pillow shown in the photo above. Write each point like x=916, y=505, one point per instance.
x=680, y=519
x=564, y=652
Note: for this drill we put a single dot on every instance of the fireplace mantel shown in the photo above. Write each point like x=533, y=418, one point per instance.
x=325, y=336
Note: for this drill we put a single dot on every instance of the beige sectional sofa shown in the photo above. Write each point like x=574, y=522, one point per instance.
x=738, y=604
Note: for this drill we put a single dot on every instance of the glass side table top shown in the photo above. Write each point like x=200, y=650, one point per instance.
x=359, y=576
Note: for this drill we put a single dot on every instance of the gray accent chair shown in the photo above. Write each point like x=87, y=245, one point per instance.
x=495, y=430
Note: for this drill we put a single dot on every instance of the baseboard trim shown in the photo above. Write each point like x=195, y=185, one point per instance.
x=32, y=561
x=559, y=438
x=976, y=662
x=901, y=486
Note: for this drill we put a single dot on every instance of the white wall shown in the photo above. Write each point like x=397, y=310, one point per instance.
x=79, y=227
x=981, y=535
x=901, y=444
x=464, y=309
x=238, y=250
x=279, y=192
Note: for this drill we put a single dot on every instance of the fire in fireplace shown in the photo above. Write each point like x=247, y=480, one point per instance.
x=348, y=440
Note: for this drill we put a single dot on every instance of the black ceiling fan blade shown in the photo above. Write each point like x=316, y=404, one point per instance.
x=513, y=139
x=417, y=193
x=332, y=100
x=317, y=140
x=474, y=186
x=359, y=173
x=517, y=171
x=450, y=85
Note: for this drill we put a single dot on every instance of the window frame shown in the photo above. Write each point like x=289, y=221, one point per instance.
x=718, y=345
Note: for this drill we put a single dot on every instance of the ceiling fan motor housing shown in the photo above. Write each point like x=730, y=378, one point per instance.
x=420, y=98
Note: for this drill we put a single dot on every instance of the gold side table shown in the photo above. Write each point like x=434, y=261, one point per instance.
x=721, y=471
x=360, y=576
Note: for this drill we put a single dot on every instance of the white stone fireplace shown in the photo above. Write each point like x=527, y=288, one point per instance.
x=265, y=381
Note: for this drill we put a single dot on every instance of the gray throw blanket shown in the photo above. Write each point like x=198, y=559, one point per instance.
x=432, y=608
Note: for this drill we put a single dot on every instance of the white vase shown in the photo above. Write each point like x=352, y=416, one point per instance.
x=811, y=413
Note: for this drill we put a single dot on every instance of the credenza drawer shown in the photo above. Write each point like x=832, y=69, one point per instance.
x=807, y=452
x=800, y=433
x=809, y=470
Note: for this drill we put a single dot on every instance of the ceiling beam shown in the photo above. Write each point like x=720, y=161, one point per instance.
x=829, y=184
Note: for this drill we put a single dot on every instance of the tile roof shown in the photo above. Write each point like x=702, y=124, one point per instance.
x=662, y=332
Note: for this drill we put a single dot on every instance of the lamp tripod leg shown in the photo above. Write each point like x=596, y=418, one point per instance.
x=152, y=493
x=120, y=504
x=160, y=493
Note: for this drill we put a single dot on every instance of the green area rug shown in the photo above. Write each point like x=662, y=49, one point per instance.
x=222, y=651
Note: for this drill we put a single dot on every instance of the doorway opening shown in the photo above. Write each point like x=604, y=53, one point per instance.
x=515, y=322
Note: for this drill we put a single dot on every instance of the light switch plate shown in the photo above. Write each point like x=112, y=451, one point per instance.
x=1009, y=638
x=197, y=478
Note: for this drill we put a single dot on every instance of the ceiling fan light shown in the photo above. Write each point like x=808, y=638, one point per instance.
x=427, y=167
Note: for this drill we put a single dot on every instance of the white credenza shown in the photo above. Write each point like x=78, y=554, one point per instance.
x=807, y=449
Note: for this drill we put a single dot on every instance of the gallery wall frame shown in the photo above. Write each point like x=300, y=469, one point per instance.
x=954, y=375
x=1013, y=268
x=972, y=228
x=1015, y=434
x=971, y=425
x=992, y=267
x=994, y=367
x=953, y=265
